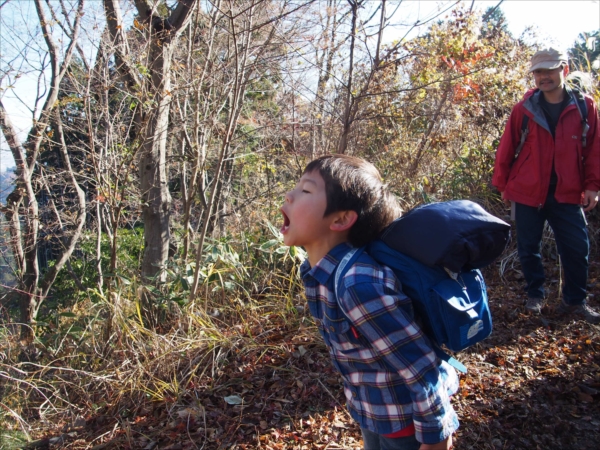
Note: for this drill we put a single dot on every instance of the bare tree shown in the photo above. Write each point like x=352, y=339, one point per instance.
x=252, y=44
x=153, y=91
x=22, y=208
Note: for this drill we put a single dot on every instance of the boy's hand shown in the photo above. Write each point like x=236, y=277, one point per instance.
x=444, y=445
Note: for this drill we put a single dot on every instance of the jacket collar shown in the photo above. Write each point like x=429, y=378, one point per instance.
x=532, y=104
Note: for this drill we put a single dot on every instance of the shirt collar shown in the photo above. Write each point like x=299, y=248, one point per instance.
x=567, y=97
x=323, y=270
x=538, y=97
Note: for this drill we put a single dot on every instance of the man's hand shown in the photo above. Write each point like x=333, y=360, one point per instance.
x=444, y=445
x=590, y=199
x=504, y=199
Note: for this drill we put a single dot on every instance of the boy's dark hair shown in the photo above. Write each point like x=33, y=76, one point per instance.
x=353, y=184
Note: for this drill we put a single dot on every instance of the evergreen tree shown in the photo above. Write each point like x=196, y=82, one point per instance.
x=494, y=20
x=585, y=53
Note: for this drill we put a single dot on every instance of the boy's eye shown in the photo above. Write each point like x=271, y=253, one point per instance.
x=305, y=191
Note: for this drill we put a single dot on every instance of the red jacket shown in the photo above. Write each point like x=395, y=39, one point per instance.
x=526, y=180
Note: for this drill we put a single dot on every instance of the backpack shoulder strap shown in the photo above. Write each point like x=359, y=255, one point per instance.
x=583, y=112
x=341, y=270
x=524, y=133
x=343, y=267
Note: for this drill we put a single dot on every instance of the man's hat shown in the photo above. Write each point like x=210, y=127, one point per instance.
x=548, y=58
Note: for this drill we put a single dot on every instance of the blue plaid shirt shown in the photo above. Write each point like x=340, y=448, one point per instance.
x=392, y=377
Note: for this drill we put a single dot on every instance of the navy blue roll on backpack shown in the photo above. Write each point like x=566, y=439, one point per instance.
x=436, y=251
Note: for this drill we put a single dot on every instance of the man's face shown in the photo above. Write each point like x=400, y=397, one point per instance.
x=549, y=80
x=303, y=210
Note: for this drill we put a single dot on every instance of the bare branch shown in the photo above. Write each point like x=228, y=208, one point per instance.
x=69, y=242
x=119, y=43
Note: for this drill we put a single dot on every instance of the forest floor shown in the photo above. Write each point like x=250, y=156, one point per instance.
x=533, y=384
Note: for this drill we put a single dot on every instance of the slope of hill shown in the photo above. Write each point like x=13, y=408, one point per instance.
x=7, y=181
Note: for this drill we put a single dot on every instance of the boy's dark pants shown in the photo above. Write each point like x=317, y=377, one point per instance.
x=374, y=441
x=570, y=232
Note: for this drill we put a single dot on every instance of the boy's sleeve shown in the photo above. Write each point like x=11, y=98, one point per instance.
x=377, y=313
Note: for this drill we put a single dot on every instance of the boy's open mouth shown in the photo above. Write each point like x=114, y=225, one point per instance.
x=286, y=222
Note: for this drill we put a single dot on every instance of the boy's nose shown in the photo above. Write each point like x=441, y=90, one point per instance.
x=288, y=197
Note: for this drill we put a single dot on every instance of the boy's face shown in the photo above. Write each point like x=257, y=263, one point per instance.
x=303, y=210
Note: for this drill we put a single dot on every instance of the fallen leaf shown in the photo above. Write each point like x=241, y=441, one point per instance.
x=586, y=398
x=234, y=400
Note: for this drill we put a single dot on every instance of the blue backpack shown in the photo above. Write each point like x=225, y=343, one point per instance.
x=436, y=251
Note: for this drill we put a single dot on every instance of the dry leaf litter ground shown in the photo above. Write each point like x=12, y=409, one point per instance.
x=534, y=384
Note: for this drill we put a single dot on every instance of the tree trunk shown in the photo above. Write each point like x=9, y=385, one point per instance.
x=156, y=199
x=153, y=123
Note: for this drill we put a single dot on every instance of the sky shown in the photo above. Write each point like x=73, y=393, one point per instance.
x=558, y=23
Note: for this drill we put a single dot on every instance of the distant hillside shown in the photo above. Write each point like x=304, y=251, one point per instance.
x=7, y=179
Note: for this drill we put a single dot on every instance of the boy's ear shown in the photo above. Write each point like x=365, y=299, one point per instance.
x=343, y=220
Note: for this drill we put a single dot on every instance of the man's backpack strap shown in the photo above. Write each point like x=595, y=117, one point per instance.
x=341, y=270
x=524, y=133
x=582, y=108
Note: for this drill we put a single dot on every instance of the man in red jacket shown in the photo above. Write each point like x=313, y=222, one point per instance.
x=554, y=178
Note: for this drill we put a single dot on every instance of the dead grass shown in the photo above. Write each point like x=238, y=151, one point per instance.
x=247, y=370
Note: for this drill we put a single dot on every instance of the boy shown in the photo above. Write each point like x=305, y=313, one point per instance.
x=396, y=388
